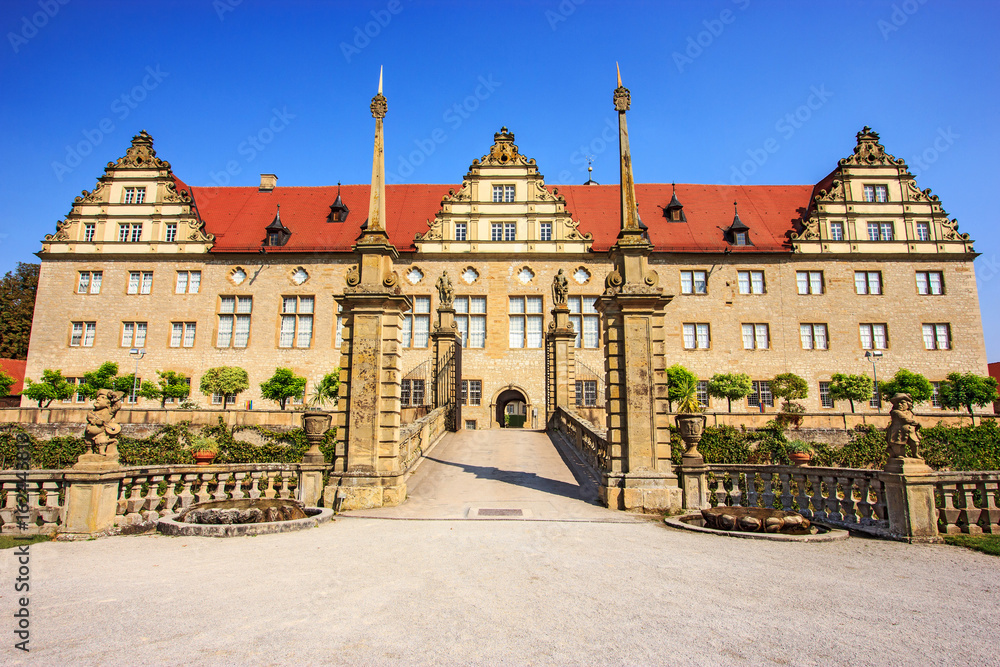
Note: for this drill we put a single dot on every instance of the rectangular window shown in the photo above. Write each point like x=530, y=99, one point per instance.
x=813, y=337
x=525, y=321
x=140, y=282
x=188, y=282
x=937, y=337
x=751, y=282
x=296, y=321
x=83, y=334
x=472, y=392
x=89, y=282
x=936, y=394
x=509, y=231
x=133, y=334
x=133, y=392
x=182, y=333
x=868, y=282
x=76, y=397
x=584, y=317
x=880, y=231
x=876, y=193
x=412, y=393
x=496, y=231
x=755, y=337
x=503, y=193
x=545, y=231
x=470, y=424
x=694, y=282
x=586, y=393
x=123, y=233
x=89, y=229
x=339, y=341
x=417, y=323
x=171, y=232
x=760, y=394
x=825, y=399
x=234, y=321
x=930, y=282
x=809, y=282
x=702, y=393
x=836, y=231
x=874, y=337
x=923, y=231
x=696, y=336
x=470, y=316
x=135, y=195
x=136, y=233
x=460, y=230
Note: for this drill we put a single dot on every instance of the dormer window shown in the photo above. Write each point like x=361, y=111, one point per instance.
x=737, y=233
x=876, y=193
x=135, y=195
x=277, y=233
x=503, y=194
x=674, y=211
x=338, y=211
x=741, y=238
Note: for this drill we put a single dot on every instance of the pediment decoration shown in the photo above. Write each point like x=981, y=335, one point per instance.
x=835, y=193
x=140, y=155
x=810, y=230
x=503, y=153
x=916, y=194
x=573, y=231
x=433, y=232
x=95, y=195
x=869, y=152
x=171, y=195
x=950, y=231
x=62, y=231
x=464, y=194
x=198, y=232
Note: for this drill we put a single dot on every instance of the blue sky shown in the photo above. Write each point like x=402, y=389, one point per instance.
x=232, y=88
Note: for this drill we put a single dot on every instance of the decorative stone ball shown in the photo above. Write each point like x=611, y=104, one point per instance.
x=751, y=524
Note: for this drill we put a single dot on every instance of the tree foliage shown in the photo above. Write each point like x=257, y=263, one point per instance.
x=327, y=390
x=171, y=385
x=851, y=388
x=967, y=390
x=17, y=307
x=225, y=380
x=789, y=386
x=283, y=385
x=677, y=379
x=730, y=386
x=6, y=382
x=53, y=387
x=907, y=382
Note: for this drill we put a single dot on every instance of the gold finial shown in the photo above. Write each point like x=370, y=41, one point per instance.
x=619, y=74
x=380, y=80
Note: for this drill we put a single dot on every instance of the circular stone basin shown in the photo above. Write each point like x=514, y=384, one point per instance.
x=231, y=518
x=756, y=520
x=815, y=532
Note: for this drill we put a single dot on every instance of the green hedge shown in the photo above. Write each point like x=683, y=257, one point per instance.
x=169, y=445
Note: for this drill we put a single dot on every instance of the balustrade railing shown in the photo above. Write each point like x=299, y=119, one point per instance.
x=44, y=498
x=968, y=502
x=842, y=497
x=589, y=440
x=423, y=433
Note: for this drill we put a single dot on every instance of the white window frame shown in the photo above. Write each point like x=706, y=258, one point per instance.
x=188, y=282
x=461, y=231
x=171, y=232
x=235, y=319
x=89, y=282
x=296, y=321
x=586, y=321
x=865, y=280
x=937, y=336
x=89, y=230
x=82, y=334
x=836, y=231
x=134, y=334
x=472, y=392
x=586, y=393
x=696, y=335
x=756, y=336
x=930, y=283
x=810, y=282
x=134, y=195
x=814, y=336
x=923, y=231
x=545, y=231
x=417, y=323
x=825, y=398
x=510, y=231
x=874, y=335
x=751, y=282
x=471, y=325
x=182, y=334
x=760, y=392
x=496, y=231
x=524, y=322
x=694, y=282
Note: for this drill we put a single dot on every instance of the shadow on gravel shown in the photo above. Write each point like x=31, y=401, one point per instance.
x=527, y=480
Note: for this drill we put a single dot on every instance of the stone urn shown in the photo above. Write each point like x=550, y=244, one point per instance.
x=691, y=426
x=315, y=423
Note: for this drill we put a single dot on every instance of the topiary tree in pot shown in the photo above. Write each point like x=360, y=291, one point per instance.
x=690, y=420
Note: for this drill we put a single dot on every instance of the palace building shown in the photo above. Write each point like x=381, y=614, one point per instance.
x=758, y=279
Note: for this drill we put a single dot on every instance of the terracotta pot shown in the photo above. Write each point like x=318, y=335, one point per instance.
x=203, y=458
x=316, y=422
x=800, y=458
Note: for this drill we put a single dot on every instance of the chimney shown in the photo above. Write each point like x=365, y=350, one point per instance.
x=267, y=182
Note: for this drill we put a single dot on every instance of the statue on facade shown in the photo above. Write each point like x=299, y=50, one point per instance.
x=560, y=289
x=101, y=434
x=902, y=435
x=446, y=293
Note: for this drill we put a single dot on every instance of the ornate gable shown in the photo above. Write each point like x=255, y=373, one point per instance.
x=504, y=207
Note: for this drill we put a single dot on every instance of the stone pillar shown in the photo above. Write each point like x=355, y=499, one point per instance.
x=560, y=362
x=909, y=499
x=91, y=500
x=310, y=483
x=446, y=339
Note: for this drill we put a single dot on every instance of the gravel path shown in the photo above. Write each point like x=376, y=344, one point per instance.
x=459, y=591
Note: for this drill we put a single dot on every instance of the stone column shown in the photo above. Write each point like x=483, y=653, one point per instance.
x=909, y=498
x=560, y=362
x=91, y=500
x=446, y=339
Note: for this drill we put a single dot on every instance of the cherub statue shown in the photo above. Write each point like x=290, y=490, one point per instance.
x=446, y=294
x=902, y=435
x=101, y=433
x=560, y=289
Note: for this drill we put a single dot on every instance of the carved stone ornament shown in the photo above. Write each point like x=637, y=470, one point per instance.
x=464, y=194
x=835, y=193
x=810, y=230
x=391, y=279
x=560, y=289
x=62, y=233
x=613, y=281
x=379, y=106
x=433, y=232
x=503, y=152
x=172, y=196
x=100, y=436
x=623, y=98
x=902, y=435
x=141, y=155
x=95, y=195
x=446, y=293
x=353, y=277
x=869, y=152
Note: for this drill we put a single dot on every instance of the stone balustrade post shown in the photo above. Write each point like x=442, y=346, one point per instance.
x=694, y=485
x=91, y=501
x=560, y=362
x=909, y=498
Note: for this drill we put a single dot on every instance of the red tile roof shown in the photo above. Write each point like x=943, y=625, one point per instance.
x=237, y=216
x=15, y=369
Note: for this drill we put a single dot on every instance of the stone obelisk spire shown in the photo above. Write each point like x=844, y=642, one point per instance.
x=631, y=232
x=376, y=205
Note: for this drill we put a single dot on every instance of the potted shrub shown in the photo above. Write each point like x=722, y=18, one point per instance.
x=690, y=421
x=799, y=452
x=204, y=450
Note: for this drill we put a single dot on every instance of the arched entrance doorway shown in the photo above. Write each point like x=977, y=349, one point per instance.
x=511, y=408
